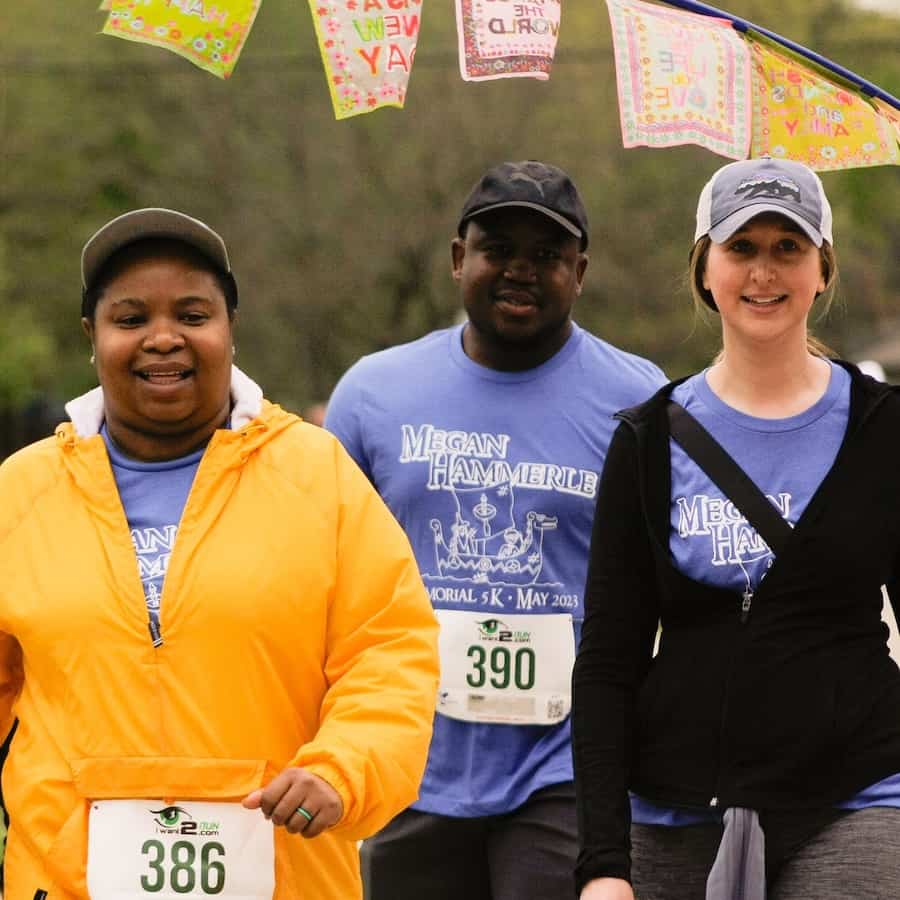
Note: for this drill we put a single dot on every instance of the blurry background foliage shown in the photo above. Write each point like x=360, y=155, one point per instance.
x=339, y=231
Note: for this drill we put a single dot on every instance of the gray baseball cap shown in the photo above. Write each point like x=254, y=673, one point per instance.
x=741, y=190
x=155, y=222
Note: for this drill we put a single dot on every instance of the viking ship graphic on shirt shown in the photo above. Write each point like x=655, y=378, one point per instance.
x=485, y=543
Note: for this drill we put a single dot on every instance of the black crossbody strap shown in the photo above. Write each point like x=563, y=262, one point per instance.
x=732, y=480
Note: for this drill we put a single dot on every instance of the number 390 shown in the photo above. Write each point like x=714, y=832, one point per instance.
x=504, y=666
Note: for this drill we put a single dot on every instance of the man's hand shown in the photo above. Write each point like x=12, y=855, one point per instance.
x=300, y=801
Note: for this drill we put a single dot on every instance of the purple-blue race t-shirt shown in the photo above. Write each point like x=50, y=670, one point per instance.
x=153, y=495
x=485, y=469
x=711, y=541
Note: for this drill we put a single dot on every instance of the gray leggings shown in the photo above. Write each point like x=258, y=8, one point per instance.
x=830, y=855
x=526, y=854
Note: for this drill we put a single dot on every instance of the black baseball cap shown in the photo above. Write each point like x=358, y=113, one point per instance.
x=533, y=185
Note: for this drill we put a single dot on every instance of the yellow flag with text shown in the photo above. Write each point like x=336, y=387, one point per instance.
x=801, y=114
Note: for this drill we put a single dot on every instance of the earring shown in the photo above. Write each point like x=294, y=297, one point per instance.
x=233, y=350
x=93, y=359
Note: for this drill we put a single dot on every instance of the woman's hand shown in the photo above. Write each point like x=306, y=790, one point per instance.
x=294, y=792
x=607, y=889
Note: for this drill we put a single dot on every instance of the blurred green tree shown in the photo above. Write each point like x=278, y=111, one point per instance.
x=340, y=231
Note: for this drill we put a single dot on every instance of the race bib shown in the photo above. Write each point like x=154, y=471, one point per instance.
x=169, y=851
x=515, y=670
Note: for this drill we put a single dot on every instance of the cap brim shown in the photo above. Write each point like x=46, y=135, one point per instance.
x=549, y=213
x=721, y=231
x=142, y=224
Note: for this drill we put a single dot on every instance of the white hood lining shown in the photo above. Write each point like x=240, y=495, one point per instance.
x=86, y=411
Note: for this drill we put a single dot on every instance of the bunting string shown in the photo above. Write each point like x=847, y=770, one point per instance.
x=686, y=72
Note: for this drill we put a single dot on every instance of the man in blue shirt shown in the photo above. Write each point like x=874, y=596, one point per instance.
x=486, y=440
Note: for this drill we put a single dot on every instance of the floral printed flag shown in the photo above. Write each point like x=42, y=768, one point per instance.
x=506, y=38
x=891, y=113
x=800, y=114
x=210, y=33
x=367, y=47
x=682, y=79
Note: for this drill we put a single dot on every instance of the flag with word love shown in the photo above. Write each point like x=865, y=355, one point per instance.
x=368, y=48
x=506, y=38
x=210, y=33
x=801, y=114
x=682, y=79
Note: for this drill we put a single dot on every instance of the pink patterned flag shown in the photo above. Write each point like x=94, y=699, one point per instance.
x=506, y=38
x=682, y=79
x=800, y=114
x=210, y=33
x=367, y=47
x=891, y=113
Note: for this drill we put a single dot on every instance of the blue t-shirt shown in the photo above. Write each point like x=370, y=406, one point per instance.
x=787, y=459
x=712, y=542
x=153, y=495
x=494, y=477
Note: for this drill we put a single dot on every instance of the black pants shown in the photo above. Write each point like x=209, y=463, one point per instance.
x=526, y=854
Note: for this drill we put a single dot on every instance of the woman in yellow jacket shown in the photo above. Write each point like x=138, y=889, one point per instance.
x=212, y=631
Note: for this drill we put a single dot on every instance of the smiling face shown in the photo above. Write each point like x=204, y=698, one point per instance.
x=519, y=274
x=764, y=280
x=162, y=338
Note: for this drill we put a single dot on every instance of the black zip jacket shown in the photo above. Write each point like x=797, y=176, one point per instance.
x=793, y=705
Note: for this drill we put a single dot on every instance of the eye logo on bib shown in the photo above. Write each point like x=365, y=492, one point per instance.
x=170, y=816
x=498, y=630
x=491, y=627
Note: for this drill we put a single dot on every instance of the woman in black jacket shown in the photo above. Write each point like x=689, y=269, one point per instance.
x=759, y=749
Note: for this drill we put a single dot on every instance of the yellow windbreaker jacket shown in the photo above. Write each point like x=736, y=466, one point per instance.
x=296, y=632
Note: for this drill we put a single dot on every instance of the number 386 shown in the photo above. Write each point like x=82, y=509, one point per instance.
x=182, y=869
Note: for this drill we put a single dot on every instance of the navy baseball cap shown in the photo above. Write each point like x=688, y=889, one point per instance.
x=533, y=185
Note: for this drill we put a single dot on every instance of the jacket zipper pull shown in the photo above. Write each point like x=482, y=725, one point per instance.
x=745, y=605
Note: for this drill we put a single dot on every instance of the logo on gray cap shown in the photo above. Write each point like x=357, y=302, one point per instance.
x=776, y=188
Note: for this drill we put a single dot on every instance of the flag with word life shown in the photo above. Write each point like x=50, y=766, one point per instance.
x=368, y=48
x=210, y=33
x=682, y=79
x=506, y=38
x=800, y=114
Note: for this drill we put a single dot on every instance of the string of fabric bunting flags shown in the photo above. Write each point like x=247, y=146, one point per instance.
x=686, y=72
